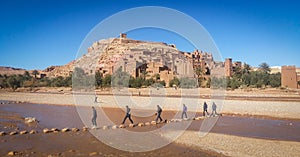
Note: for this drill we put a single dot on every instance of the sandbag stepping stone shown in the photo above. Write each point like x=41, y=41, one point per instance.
x=33, y=132
x=46, y=130
x=13, y=133
x=23, y=132
x=75, y=129
x=141, y=124
x=65, y=130
x=2, y=133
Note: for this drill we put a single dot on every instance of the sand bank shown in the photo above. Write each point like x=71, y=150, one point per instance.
x=277, y=109
x=239, y=146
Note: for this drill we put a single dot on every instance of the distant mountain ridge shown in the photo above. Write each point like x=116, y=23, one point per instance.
x=4, y=70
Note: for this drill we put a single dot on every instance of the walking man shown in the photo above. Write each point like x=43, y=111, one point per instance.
x=159, y=111
x=214, y=109
x=205, y=108
x=96, y=99
x=128, y=115
x=184, y=110
x=94, y=118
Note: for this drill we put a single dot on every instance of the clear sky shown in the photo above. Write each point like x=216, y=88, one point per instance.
x=38, y=34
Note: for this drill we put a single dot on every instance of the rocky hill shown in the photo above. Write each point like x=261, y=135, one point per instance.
x=135, y=57
x=132, y=56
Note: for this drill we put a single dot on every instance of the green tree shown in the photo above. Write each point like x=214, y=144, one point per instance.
x=13, y=82
x=144, y=74
x=175, y=82
x=148, y=82
x=67, y=82
x=218, y=82
x=208, y=83
x=27, y=75
x=234, y=83
x=106, y=81
x=246, y=68
x=78, y=78
x=120, y=78
x=98, y=79
x=275, y=80
x=264, y=67
x=35, y=73
x=135, y=82
x=163, y=83
x=186, y=82
x=58, y=82
x=199, y=72
x=237, y=74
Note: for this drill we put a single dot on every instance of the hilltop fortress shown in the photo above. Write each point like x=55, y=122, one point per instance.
x=150, y=58
x=139, y=58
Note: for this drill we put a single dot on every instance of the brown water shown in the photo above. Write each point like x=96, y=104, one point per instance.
x=57, y=116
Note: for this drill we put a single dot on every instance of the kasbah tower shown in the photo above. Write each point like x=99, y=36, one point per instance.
x=289, y=77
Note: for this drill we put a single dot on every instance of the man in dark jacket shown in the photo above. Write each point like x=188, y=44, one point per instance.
x=184, y=110
x=214, y=109
x=128, y=115
x=205, y=108
x=94, y=118
x=158, y=112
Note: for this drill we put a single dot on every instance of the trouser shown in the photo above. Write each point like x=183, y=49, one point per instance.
x=158, y=117
x=183, y=113
x=205, y=110
x=127, y=116
x=214, y=112
x=94, y=121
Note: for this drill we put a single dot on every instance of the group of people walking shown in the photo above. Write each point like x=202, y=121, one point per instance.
x=213, y=107
x=158, y=113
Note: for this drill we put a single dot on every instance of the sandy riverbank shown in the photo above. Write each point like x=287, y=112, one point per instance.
x=239, y=146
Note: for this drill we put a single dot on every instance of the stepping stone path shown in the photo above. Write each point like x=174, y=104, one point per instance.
x=55, y=130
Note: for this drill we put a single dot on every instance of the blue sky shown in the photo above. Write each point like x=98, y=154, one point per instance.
x=38, y=34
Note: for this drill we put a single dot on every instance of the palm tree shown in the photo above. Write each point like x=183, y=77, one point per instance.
x=35, y=72
x=199, y=73
x=144, y=74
